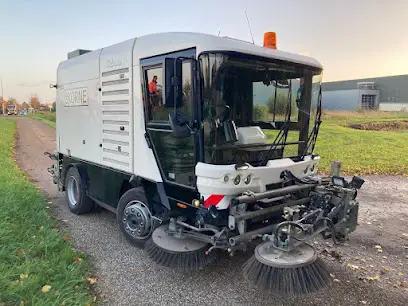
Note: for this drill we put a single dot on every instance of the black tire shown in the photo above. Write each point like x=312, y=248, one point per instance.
x=129, y=222
x=75, y=193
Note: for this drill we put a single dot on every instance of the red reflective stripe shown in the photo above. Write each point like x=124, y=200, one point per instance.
x=213, y=199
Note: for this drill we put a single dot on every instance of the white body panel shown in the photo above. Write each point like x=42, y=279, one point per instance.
x=210, y=178
x=107, y=126
x=77, y=123
x=116, y=113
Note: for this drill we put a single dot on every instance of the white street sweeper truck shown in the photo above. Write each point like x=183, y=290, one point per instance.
x=202, y=144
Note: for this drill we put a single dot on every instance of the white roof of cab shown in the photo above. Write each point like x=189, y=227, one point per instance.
x=150, y=44
x=161, y=43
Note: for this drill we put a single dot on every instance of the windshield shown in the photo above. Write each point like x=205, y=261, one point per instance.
x=261, y=97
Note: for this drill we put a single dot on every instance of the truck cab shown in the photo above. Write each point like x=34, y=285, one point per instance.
x=11, y=109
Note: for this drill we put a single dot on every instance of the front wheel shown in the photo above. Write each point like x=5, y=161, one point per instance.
x=134, y=217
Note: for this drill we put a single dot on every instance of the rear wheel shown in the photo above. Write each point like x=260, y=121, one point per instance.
x=134, y=217
x=75, y=194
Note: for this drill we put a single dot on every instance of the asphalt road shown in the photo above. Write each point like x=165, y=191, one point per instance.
x=126, y=276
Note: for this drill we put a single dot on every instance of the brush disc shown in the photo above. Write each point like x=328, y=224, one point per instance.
x=286, y=273
x=183, y=253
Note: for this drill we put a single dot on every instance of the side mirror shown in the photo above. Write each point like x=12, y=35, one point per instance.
x=179, y=124
x=173, y=86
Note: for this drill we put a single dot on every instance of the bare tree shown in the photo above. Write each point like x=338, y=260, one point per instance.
x=35, y=102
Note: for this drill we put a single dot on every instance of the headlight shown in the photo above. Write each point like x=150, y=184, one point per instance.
x=237, y=180
x=247, y=180
x=196, y=203
x=226, y=178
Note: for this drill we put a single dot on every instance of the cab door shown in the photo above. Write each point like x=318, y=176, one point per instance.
x=176, y=157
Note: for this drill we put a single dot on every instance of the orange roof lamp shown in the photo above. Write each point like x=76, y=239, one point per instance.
x=270, y=40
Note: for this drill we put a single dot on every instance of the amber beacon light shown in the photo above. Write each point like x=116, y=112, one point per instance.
x=270, y=40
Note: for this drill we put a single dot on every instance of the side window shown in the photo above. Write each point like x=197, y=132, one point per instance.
x=154, y=81
x=154, y=78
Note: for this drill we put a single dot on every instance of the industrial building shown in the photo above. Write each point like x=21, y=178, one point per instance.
x=383, y=93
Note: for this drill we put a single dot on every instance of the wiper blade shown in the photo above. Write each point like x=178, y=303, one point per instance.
x=283, y=133
x=312, y=139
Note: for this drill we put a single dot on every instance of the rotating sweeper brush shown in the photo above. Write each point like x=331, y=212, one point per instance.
x=285, y=273
x=285, y=264
x=176, y=250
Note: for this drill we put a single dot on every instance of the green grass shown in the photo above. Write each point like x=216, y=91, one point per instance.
x=361, y=152
x=47, y=118
x=346, y=117
x=33, y=252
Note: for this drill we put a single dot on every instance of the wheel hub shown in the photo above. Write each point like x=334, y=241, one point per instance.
x=137, y=219
x=72, y=190
x=269, y=255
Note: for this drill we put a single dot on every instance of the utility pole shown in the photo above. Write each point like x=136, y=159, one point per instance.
x=2, y=94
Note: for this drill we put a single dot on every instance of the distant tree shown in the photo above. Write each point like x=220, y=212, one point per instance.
x=260, y=112
x=35, y=102
x=54, y=107
x=187, y=94
x=1, y=104
x=12, y=101
x=280, y=105
x=25, y=105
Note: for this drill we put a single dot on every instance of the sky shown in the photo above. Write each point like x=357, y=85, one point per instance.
x=352, y=39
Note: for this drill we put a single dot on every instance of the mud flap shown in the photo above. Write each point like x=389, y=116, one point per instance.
x=163, y=197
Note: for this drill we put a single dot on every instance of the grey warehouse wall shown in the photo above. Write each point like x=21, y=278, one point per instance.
x=393, y=89
x=341, y=100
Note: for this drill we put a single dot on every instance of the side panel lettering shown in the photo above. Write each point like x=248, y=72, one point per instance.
x=75, y=97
